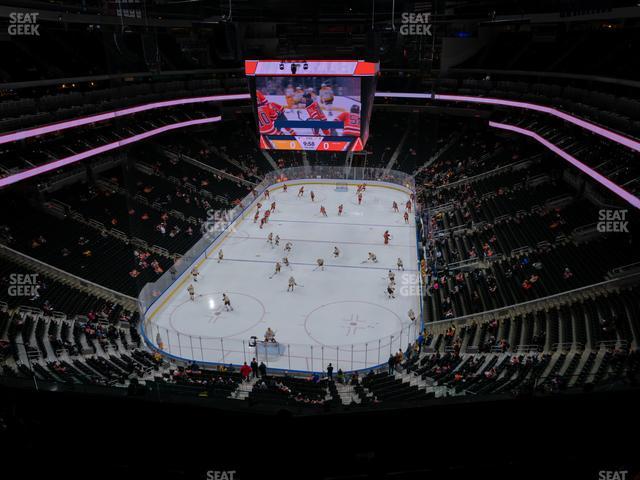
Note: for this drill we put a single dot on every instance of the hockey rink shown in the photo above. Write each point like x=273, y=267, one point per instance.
x=341, y=314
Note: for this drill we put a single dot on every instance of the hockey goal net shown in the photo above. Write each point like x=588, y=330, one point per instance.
x=342, y=186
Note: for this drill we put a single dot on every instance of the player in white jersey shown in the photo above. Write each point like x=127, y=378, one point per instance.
x=392, y=276
x=220, y=256
x=270, y=239
x=192, y=292
x=195, y=273
x=227, y=302
x=285, y=261
x=391, y=291
x=372, y=258
x=336, y=252
x=278, y=267
x=292, y=283
x=277, y=241
x=287, y=246
x=320, y=263
x=400, y=264
x=412, y=316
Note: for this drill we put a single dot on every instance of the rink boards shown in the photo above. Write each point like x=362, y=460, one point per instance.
x=340, y=315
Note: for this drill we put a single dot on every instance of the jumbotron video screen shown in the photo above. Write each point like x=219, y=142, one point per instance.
x=298, y=108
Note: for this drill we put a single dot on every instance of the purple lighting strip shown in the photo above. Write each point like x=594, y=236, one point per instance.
x=616, y=137
x=622, y=193
x=100, y=117
x=96, y=151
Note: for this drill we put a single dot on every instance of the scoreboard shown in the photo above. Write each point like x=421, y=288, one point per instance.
x=322, y=105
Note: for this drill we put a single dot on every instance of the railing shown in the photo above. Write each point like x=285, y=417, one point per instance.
x=287, y=356
x=534, y=304
x=73, y=280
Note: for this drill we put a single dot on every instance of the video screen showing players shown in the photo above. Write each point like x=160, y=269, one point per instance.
x=310, y=113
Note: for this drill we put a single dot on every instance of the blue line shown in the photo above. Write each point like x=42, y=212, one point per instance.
x=309, y=264
x=349, y=224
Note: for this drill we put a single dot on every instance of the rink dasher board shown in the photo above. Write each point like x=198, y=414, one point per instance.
x=217, y=243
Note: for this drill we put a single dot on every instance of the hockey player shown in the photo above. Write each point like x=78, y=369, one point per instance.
x=326, y=94
x=340, y=208
x=270, y=239
x=277, y=241
x=259, y=206
x=372, y=258
x=287, y=247
x=273, y=206
x=269, y=335
x=278, y=267
x=267, y=214
x=386, y=237
x=285, y=261
x=192, y=292
x=263, y=220
x=406, y=217
x=266, y=194
x=408, y=205
x=312, y=195
x=320, y=263
x=301, y=191
x=360, y=198
x=392, y=276
x=336, y=252
x=284, y=188
x=412, y=316
x=220, y=256
x=315, y=113
x=195, y=273
x=292, y=283
x=323, y=211
x=350, y=121
x=400, y=264
x=227, y=302
x=391, y=291
x=256, y=216
x=395, y=207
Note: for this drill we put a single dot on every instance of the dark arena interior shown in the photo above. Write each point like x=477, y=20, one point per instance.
x=366, y=239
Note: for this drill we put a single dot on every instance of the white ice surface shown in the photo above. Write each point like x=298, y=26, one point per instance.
x=345, y=305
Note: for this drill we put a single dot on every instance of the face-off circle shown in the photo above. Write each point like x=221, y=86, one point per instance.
x=208, y=317
x=357, y=322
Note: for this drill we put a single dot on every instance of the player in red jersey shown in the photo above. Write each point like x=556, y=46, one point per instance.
x=386, y=236
x=359, y=198
x=267, y=213
x=340, y=208
x=284, y=187
x=406, y=217
x=323, y=211
x=315, y=113
x=266, y=193
x=256, y=217
x=268, y=113
x=263, y=220
x=273, y=206
x=301, y=191
x=395, y=207
x=351, y=122
x=408, y=205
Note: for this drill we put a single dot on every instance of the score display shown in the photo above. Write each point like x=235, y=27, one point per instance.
x=312, y=105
